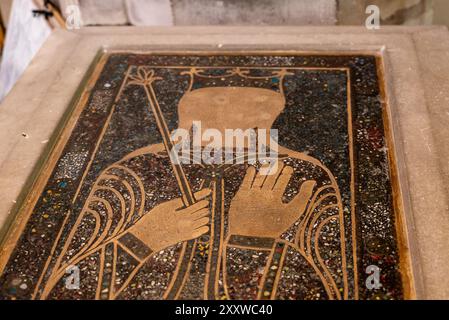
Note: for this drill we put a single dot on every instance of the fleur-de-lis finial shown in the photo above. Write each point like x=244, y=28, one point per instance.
x=143, y=77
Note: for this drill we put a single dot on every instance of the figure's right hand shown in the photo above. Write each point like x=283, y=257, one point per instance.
x=258, y=208
x=170, y=222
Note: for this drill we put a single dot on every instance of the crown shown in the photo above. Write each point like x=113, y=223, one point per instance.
x=228, y=76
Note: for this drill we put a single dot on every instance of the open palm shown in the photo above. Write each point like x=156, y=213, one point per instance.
x=258, y=210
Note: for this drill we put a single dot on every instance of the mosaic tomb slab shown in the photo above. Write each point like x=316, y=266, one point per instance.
x=115, y=208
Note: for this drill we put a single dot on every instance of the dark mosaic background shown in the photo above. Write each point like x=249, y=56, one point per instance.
x=314, y=121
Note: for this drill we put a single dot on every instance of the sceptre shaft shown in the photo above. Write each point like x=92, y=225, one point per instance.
x=187, y=194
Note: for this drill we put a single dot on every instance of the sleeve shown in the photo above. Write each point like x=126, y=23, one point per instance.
x=116, y=201
x=321, y=239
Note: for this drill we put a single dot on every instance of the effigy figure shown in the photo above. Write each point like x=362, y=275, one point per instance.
x=156, y=228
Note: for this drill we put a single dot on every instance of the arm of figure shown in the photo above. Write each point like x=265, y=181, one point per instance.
x=168, y=224
x=257, y=218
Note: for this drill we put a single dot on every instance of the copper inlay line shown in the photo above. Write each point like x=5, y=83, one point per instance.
x=353, y=208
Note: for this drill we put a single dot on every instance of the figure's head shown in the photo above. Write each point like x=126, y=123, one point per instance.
x=230, y=108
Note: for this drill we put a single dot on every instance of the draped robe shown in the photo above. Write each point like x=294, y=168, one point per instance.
x=308, y=261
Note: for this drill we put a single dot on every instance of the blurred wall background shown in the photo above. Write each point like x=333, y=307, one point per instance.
x=441, y=12
x=284, y=12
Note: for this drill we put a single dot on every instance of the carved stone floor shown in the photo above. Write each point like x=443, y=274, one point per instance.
x=93, y=206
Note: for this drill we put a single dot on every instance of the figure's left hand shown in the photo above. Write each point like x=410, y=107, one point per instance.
x=258, y=210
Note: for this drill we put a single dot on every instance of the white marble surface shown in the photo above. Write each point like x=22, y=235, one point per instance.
x=149, y=12
x=122, y=12
x=25, y=36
